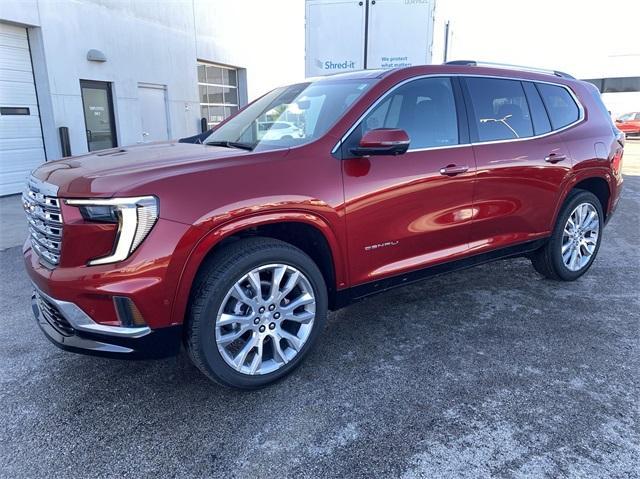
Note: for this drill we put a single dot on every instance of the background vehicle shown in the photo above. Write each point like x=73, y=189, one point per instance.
x=629, y=123
x=238, y=247
x=277, y=130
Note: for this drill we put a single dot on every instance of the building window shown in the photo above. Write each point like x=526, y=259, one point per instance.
x=218, y=91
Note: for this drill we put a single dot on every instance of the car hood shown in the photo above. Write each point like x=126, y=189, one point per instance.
x=109, y=172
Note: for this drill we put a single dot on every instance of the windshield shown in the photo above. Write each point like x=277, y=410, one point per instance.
x=289, y=116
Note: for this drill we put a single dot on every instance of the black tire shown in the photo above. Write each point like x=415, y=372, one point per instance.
x=216, y=278
x=548, y=260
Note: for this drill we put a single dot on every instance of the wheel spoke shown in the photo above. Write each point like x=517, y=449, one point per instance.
x=302, y=300
x=566, y=247
x=574, y=256
x=278, y=353
x=254, y=280
x=278, y=274
x=226, y=319
x=241, y=357
x=293, y=340
x=291, y=283
x=241, y=296
x=591, y=221
x=231, y=337
x=257, y=359
x=303, y=317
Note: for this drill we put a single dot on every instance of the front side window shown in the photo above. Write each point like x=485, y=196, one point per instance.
x=500, y=109
x=290, y=116
x=424, y=108
x=560, y=105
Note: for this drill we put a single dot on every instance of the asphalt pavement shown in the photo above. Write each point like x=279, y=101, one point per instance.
x=489, y=371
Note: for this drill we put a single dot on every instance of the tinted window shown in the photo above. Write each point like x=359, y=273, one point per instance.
x=500, y=109
x=539, y=116
x=560, y=105
x=424, y=108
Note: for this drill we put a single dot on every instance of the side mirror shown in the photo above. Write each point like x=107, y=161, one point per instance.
x=383, y=141
x=619, y=120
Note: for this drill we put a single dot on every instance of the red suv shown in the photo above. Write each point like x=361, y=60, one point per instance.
x=629, y=123
x=237, y=247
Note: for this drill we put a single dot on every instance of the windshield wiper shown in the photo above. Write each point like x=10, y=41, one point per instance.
x=231, y=144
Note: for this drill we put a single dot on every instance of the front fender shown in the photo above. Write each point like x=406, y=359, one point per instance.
x=212, y=237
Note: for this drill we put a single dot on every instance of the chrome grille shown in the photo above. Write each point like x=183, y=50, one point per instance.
x=51, y=314
x=42, y=208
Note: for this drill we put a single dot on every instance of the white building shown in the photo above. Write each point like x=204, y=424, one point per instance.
x=119, y=72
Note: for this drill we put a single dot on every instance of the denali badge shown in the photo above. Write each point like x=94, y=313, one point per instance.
x=381, y=245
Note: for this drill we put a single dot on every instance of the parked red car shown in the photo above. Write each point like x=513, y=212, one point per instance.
x=237, y=247
x=629, y=123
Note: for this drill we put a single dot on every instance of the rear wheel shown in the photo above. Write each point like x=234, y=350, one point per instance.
x=258, y=309
x=575, y=240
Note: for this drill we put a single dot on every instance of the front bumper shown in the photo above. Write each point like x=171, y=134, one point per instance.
x=71, y=329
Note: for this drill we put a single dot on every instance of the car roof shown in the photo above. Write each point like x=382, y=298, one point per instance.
x=450, y=69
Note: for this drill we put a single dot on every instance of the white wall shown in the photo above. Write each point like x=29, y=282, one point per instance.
x=265, y=37
x=581, y=38
x=153, y=41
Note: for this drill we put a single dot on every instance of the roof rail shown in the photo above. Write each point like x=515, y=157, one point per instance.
x=513, y=67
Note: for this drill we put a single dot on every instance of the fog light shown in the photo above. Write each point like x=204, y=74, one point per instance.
x=128, y=314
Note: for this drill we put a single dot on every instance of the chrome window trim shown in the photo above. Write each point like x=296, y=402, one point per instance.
x=581, y=110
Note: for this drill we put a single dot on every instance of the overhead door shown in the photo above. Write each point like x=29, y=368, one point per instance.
x=21, y=148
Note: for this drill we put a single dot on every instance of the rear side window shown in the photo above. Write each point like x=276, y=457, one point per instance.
x=500, y=109
x=424, y=108
x=541, y=124
x=560, y=105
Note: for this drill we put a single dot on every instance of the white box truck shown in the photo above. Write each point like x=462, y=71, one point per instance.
x=346, y=35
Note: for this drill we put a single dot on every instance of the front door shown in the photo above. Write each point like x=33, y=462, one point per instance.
x=98, y=114
x=153, y=112
x=414, y=210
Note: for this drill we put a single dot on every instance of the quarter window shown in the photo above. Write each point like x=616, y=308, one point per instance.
x=500, y=109
x=560, y=105
x=541, y=124
x=218, y=90
x=424, y=108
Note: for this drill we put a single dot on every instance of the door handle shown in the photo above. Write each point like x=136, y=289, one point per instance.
x=453, y=170
x=554, y=158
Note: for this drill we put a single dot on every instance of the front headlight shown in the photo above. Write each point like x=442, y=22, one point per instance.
x=135, y=218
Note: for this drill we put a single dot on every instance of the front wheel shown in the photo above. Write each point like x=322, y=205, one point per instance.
x=575, y=240
x=257, y=311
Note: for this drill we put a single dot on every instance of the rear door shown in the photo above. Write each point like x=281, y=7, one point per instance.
x=402, y=213
x=521, y=161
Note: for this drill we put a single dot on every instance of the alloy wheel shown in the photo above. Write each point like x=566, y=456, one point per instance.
x=265, y=319
x=580, y=236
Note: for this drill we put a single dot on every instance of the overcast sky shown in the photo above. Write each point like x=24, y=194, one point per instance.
x=586, y=38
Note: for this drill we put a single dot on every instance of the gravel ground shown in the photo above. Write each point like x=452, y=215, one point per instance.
x=490, y=371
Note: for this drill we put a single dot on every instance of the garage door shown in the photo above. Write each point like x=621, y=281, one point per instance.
x=21, y=148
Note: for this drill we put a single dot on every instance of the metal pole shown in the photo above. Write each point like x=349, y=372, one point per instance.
x=446, y=41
